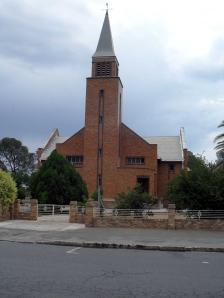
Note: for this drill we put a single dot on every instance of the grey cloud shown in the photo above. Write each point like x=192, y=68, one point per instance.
x=38, y=40
x=50, y=91
x=209, y=72
x=211, y=68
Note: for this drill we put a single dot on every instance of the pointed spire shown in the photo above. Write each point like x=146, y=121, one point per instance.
x=105, y=47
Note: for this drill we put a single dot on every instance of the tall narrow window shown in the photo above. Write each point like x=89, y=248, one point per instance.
x=100, y=119
x=99, y=180
x=100, y=152
x=101, y=92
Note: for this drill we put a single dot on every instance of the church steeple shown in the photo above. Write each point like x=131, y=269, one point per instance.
x=105, y=47
x=104, y=61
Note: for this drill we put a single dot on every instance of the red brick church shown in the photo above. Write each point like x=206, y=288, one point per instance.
x=109, y=155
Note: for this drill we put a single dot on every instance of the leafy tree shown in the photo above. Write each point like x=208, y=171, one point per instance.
x=15, y=158
x=202, y=187
x=2, y=166
x=8, y=190
x=220, y=143
x=57, y=182
x=133, y=199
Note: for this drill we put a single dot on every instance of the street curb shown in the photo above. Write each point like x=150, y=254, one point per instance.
x=131, y=246
x=123, y=246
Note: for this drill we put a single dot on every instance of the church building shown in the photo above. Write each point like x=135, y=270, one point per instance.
x=110, y=156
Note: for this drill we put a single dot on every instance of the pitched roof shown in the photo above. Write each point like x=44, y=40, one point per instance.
x=169, y=148
x=105, y=47
x=53, y=139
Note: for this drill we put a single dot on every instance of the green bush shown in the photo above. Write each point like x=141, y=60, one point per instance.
x=201, y=187
x=57, y=182
x=8, y=190
x=133, y=199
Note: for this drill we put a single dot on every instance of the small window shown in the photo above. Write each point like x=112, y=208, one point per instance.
x=172, y=167
x=135, y=160
x=75, y=159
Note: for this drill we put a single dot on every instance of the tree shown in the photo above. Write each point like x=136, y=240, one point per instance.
x=202, y=187
x=220, y=143
x=8, y=190
x=57, y=182
x=133, y=199
x=15, y=158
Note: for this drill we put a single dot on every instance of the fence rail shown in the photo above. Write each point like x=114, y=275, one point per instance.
x=49, y=209
x=199, y=214
x=136, y=213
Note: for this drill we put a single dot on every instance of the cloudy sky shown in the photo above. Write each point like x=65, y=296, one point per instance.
x=171, y=56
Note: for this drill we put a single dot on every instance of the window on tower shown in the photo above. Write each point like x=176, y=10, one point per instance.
x=103, y=69
x=100, y=119
x=100, y=151
x=101, y=93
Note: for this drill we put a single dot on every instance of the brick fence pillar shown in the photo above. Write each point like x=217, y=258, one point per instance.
x=16, y=209
x=90, y=213
x=72, y=211
x=34, y=209
x=171, y=216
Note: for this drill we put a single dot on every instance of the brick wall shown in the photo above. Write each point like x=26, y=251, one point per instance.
x=119, y=222
x=203, y=224
x=169, y=220
x=165, y=175
x=32, y=214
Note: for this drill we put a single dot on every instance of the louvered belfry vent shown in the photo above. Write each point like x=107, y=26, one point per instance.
x=103, y=69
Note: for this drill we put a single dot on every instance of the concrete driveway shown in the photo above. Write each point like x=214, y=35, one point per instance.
x=44, y=224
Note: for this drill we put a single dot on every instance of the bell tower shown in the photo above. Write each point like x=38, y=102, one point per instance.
x=103, y=115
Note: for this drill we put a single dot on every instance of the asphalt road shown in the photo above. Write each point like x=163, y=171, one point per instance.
x=31, y=270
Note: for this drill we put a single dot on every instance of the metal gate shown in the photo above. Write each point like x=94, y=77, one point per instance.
x=50, y=209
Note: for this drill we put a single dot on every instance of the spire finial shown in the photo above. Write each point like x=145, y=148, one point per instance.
x=107, y=7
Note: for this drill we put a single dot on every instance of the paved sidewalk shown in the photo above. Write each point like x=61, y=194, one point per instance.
x=62, y=233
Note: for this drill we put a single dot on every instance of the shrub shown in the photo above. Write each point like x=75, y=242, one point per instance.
x=133, y=199
x=8, y=190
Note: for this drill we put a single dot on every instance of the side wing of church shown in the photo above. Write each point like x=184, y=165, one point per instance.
x=109, y=155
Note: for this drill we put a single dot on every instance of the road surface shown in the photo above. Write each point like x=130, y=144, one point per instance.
x=31, y=270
